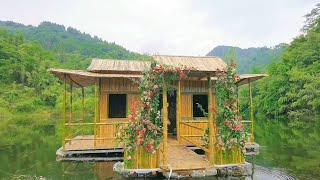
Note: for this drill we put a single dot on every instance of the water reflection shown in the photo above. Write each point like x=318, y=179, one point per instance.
x=292, y=150
x=31, y=154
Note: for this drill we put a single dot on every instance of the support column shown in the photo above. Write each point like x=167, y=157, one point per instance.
x=99, y=100
x=251, y=112
x=165, y=123
x=70, y=118
x=64, y=112
x=95, y=114
x=83, y=115
x=238, y=104
x=178, y=108
x=211, y=126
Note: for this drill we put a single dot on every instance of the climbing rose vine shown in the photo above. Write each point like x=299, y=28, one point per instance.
x=230, y=130
x=145, y=124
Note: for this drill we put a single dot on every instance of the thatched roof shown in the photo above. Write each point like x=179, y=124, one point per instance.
x=111, y=68
x=83, y=78
x=200, y=64
x=245, y=78
x=118, y=66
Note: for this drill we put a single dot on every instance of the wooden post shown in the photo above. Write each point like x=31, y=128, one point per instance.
x=83, y=115
x=99, y=99
x=165, y=123
x=178, y=108
x=70, y=118
x=98, y=107
x=95, y=113
x=214, y=106
x=64, y=112
x=211, y=127
x=251, y=112
x=238, y=104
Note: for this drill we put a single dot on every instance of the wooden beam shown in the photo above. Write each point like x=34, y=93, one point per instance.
x=165, y=124
x=244, y=79
x=193, y=126
x=211, y=127
x=178, y=108
x=72, y=81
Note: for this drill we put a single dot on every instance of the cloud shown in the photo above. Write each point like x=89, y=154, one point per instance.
x=170, y=27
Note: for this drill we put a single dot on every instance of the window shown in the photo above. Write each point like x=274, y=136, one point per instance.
x=203, y=101
x=117, y=106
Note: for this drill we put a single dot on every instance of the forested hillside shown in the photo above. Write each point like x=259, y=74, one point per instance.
x=251, y=59
x=26, y=52
x=70, y=47
x=292, y=90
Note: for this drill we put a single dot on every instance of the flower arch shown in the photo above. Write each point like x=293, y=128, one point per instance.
x=230, y=130
x=145, y=124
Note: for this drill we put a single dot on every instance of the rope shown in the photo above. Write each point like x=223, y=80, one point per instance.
x=169, y=166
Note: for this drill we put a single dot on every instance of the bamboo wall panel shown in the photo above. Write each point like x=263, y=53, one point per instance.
x=118, y=85
x=133, y=101
x=110, y=130
x=103, y=106
x=189, y=86
x=188, y=130
x=186, y=103
x=143, y=160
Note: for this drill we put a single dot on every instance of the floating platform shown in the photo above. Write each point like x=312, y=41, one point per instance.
x=82, y=148
x=183, y=160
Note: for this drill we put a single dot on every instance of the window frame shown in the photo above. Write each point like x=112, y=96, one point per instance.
x=108, y=106
x=200, y=93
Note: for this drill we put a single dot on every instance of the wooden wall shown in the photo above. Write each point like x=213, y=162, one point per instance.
x=115, y=86
x=188, y=86
x=186, y=109
x=118, y=85
x=126, y=86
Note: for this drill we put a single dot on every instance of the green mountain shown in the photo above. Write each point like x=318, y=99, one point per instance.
x=26, y=52
x=70, y=47
x=291, y=92
x=251, y=59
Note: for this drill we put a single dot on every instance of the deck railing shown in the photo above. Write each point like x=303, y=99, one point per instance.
x=191, y=132
x=70, y=135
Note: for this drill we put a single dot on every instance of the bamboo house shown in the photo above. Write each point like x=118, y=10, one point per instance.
x=115, y=93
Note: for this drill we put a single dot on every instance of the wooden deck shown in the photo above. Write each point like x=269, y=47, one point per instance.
x=181, y=158
x=87, y=143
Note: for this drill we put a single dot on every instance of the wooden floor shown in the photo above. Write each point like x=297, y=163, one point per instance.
x=181, y=158
x=86, y=143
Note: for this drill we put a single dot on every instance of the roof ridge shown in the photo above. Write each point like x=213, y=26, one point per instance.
x=187, y=56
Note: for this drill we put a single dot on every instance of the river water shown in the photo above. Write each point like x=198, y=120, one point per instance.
x=28, y=146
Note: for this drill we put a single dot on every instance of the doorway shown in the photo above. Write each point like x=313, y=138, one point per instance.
x=172, y=109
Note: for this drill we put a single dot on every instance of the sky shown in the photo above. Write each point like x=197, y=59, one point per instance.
x=173, y=27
